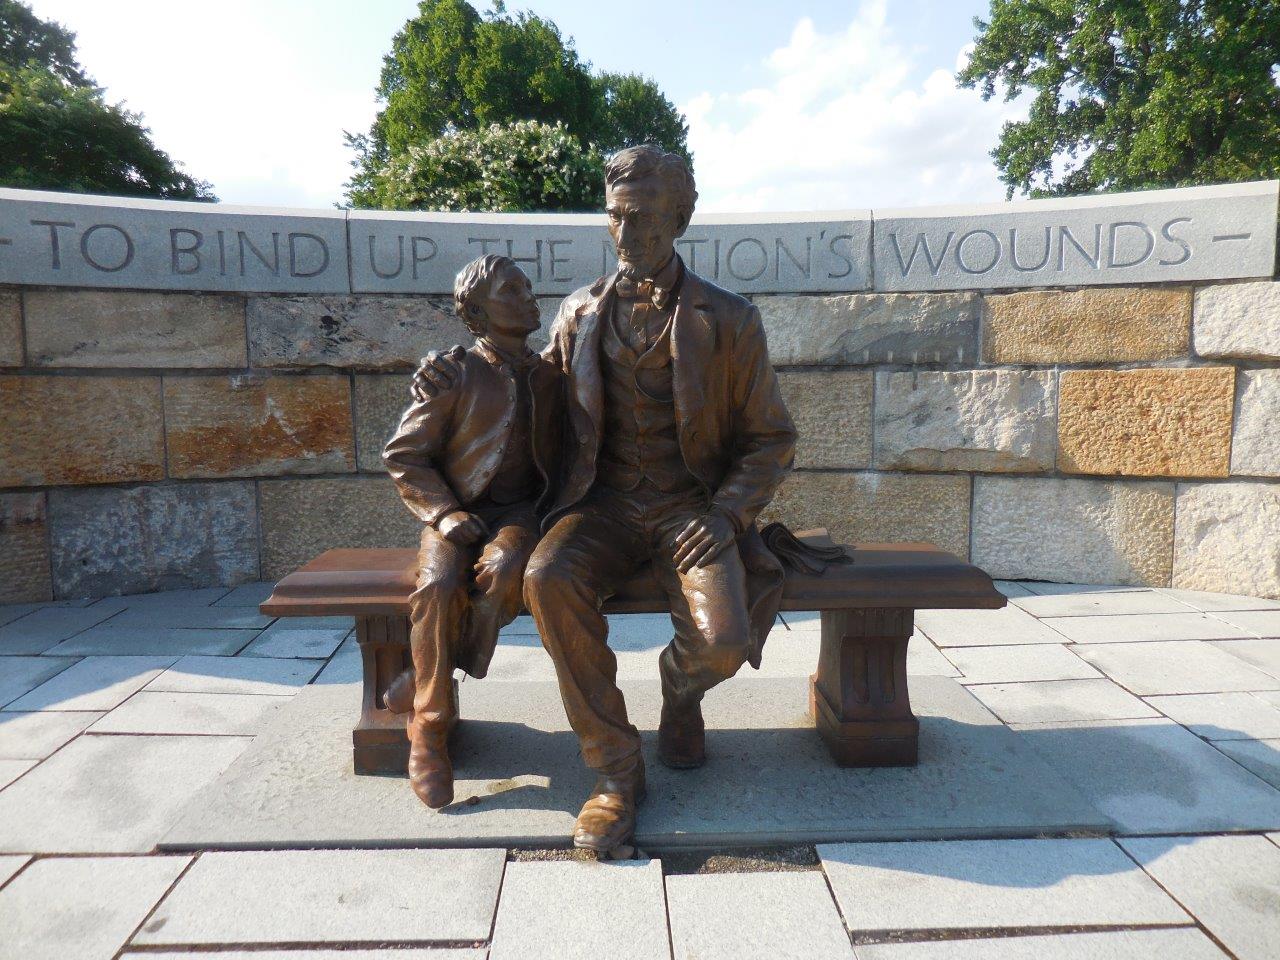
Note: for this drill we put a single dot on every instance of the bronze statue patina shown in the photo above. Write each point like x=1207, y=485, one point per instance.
x=474, y=463
x=676, y=437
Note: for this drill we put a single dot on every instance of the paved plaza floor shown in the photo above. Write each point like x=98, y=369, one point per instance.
x=1099, y=778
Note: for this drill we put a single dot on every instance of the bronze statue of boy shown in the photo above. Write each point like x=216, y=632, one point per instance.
x=474, y=462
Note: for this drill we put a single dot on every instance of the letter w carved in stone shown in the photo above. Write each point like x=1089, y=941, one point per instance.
x=921, y=244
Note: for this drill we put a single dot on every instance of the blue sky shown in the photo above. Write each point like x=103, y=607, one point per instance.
x=819, y=105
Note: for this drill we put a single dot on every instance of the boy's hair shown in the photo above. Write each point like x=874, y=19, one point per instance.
x=472, y=279
x=646, y=160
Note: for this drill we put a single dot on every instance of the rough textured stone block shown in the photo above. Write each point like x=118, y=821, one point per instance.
x=1087, y=326
x=67, y=430
x=135, y=540
x=877, y=507
x=1238, y=320
x=1226, y=538
x=998, y=421
x=253, y=425
x=1075, y=531
x=117, y=328
x=1146, y=423
x=304, y=517
x=10, y=328
x=832, y=411
x=380, y=399
x=1255, y=446
x=871, y=328
x=359, y=332
x=24, y=549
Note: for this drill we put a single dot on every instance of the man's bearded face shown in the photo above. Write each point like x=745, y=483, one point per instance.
x=644, y=222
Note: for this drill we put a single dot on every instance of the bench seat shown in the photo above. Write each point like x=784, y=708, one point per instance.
x=858, y=693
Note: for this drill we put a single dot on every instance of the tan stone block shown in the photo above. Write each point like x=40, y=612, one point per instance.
x=252, y=425
x=122, y=328
x=1087, y=326
x=832, y=412
x=302, y=517
x=10, y=328
x=1146, y=423
x=1227, y=539
x=1073, y=531
x=997, y=421
x=878, y=507
x=68, y=430
x=381, y=399
x=24, y=549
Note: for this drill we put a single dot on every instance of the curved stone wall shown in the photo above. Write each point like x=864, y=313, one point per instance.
x=1070, y=390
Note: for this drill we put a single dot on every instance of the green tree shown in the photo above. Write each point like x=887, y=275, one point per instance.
x=1132, y=93
x=57, y=132
x=526, y=165
x=451, y=70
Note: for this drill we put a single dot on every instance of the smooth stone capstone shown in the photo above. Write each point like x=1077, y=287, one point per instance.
x=125, y=328
x=1238, y=321
x=1184, y=943
x=1226, y=538
x=871, y=328
x=110, y=794
x=1230, y=884
x=1153, y=776
x=1074, y=531
x=755, y=916
x=564, y=910
x=83, y=907
x=327, y=896
x=518, y=759
x=999, y=421
x=24, y=549
x=980, y=884
x=832, y=414
x=139, y=539
x=1255, y=445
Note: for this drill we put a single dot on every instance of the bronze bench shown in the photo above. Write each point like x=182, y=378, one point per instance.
x=857, y=696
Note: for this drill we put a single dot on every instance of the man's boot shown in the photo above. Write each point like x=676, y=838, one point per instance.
x=682, y=737
x=608, y=818
x=430, y=770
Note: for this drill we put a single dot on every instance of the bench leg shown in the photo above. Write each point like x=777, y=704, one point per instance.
x=858, y=697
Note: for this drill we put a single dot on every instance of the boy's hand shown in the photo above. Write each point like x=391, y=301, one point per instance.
x=462, y=528
x=436, y=373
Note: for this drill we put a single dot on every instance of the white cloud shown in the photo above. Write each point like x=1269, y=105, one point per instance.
x=842, y=124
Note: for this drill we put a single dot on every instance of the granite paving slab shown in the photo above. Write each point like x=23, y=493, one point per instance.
x=210, y=714
x=1012, y=588
x=11, y=770
x=1145, y=627
x=12, y=611
x=43, y=629
x=1204, y=600
x=1094, y=604
x=109, y=794
x=95, y=683
x=251, y=675
x=565, y=910
x=1262, y=623
x=198, y=597
x=1260, y=757
x=81, y=907
x=1263, y=654
x=1052, y=700
x=989, y=884
x=1222, y=716
x=35, y=735
x=110, y=640
x=10, y=864
x=246, y=595
x=291, y=641
x=1178, y=943
x=755, y=916
x=342, y=953
x=1046, y=589
x=769, y=778
x=1153, y=776
x=218, y=618
x=983, y=628
x=345, y=666
x=19, y=675
x=305, y=897
x=1174, y=666
x=1014, y=664
x=1230, y=884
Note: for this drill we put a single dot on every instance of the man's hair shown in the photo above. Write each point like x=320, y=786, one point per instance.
x=646, y=160
x=471, y=280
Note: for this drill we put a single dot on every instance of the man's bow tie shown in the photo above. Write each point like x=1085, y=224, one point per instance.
x=629, y=289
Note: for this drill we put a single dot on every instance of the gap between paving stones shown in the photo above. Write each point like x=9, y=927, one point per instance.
x=867, y=938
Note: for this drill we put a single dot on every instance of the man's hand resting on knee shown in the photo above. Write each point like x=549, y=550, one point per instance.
x=702, y=540
x=462, y=528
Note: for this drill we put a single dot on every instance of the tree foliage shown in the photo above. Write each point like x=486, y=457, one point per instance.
x=57, y=132
x=1132, y=93
x=452, y=71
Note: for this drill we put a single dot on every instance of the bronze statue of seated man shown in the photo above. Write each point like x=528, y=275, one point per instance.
x=474, y=463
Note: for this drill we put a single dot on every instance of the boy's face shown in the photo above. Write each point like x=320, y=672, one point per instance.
x=510, y=304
